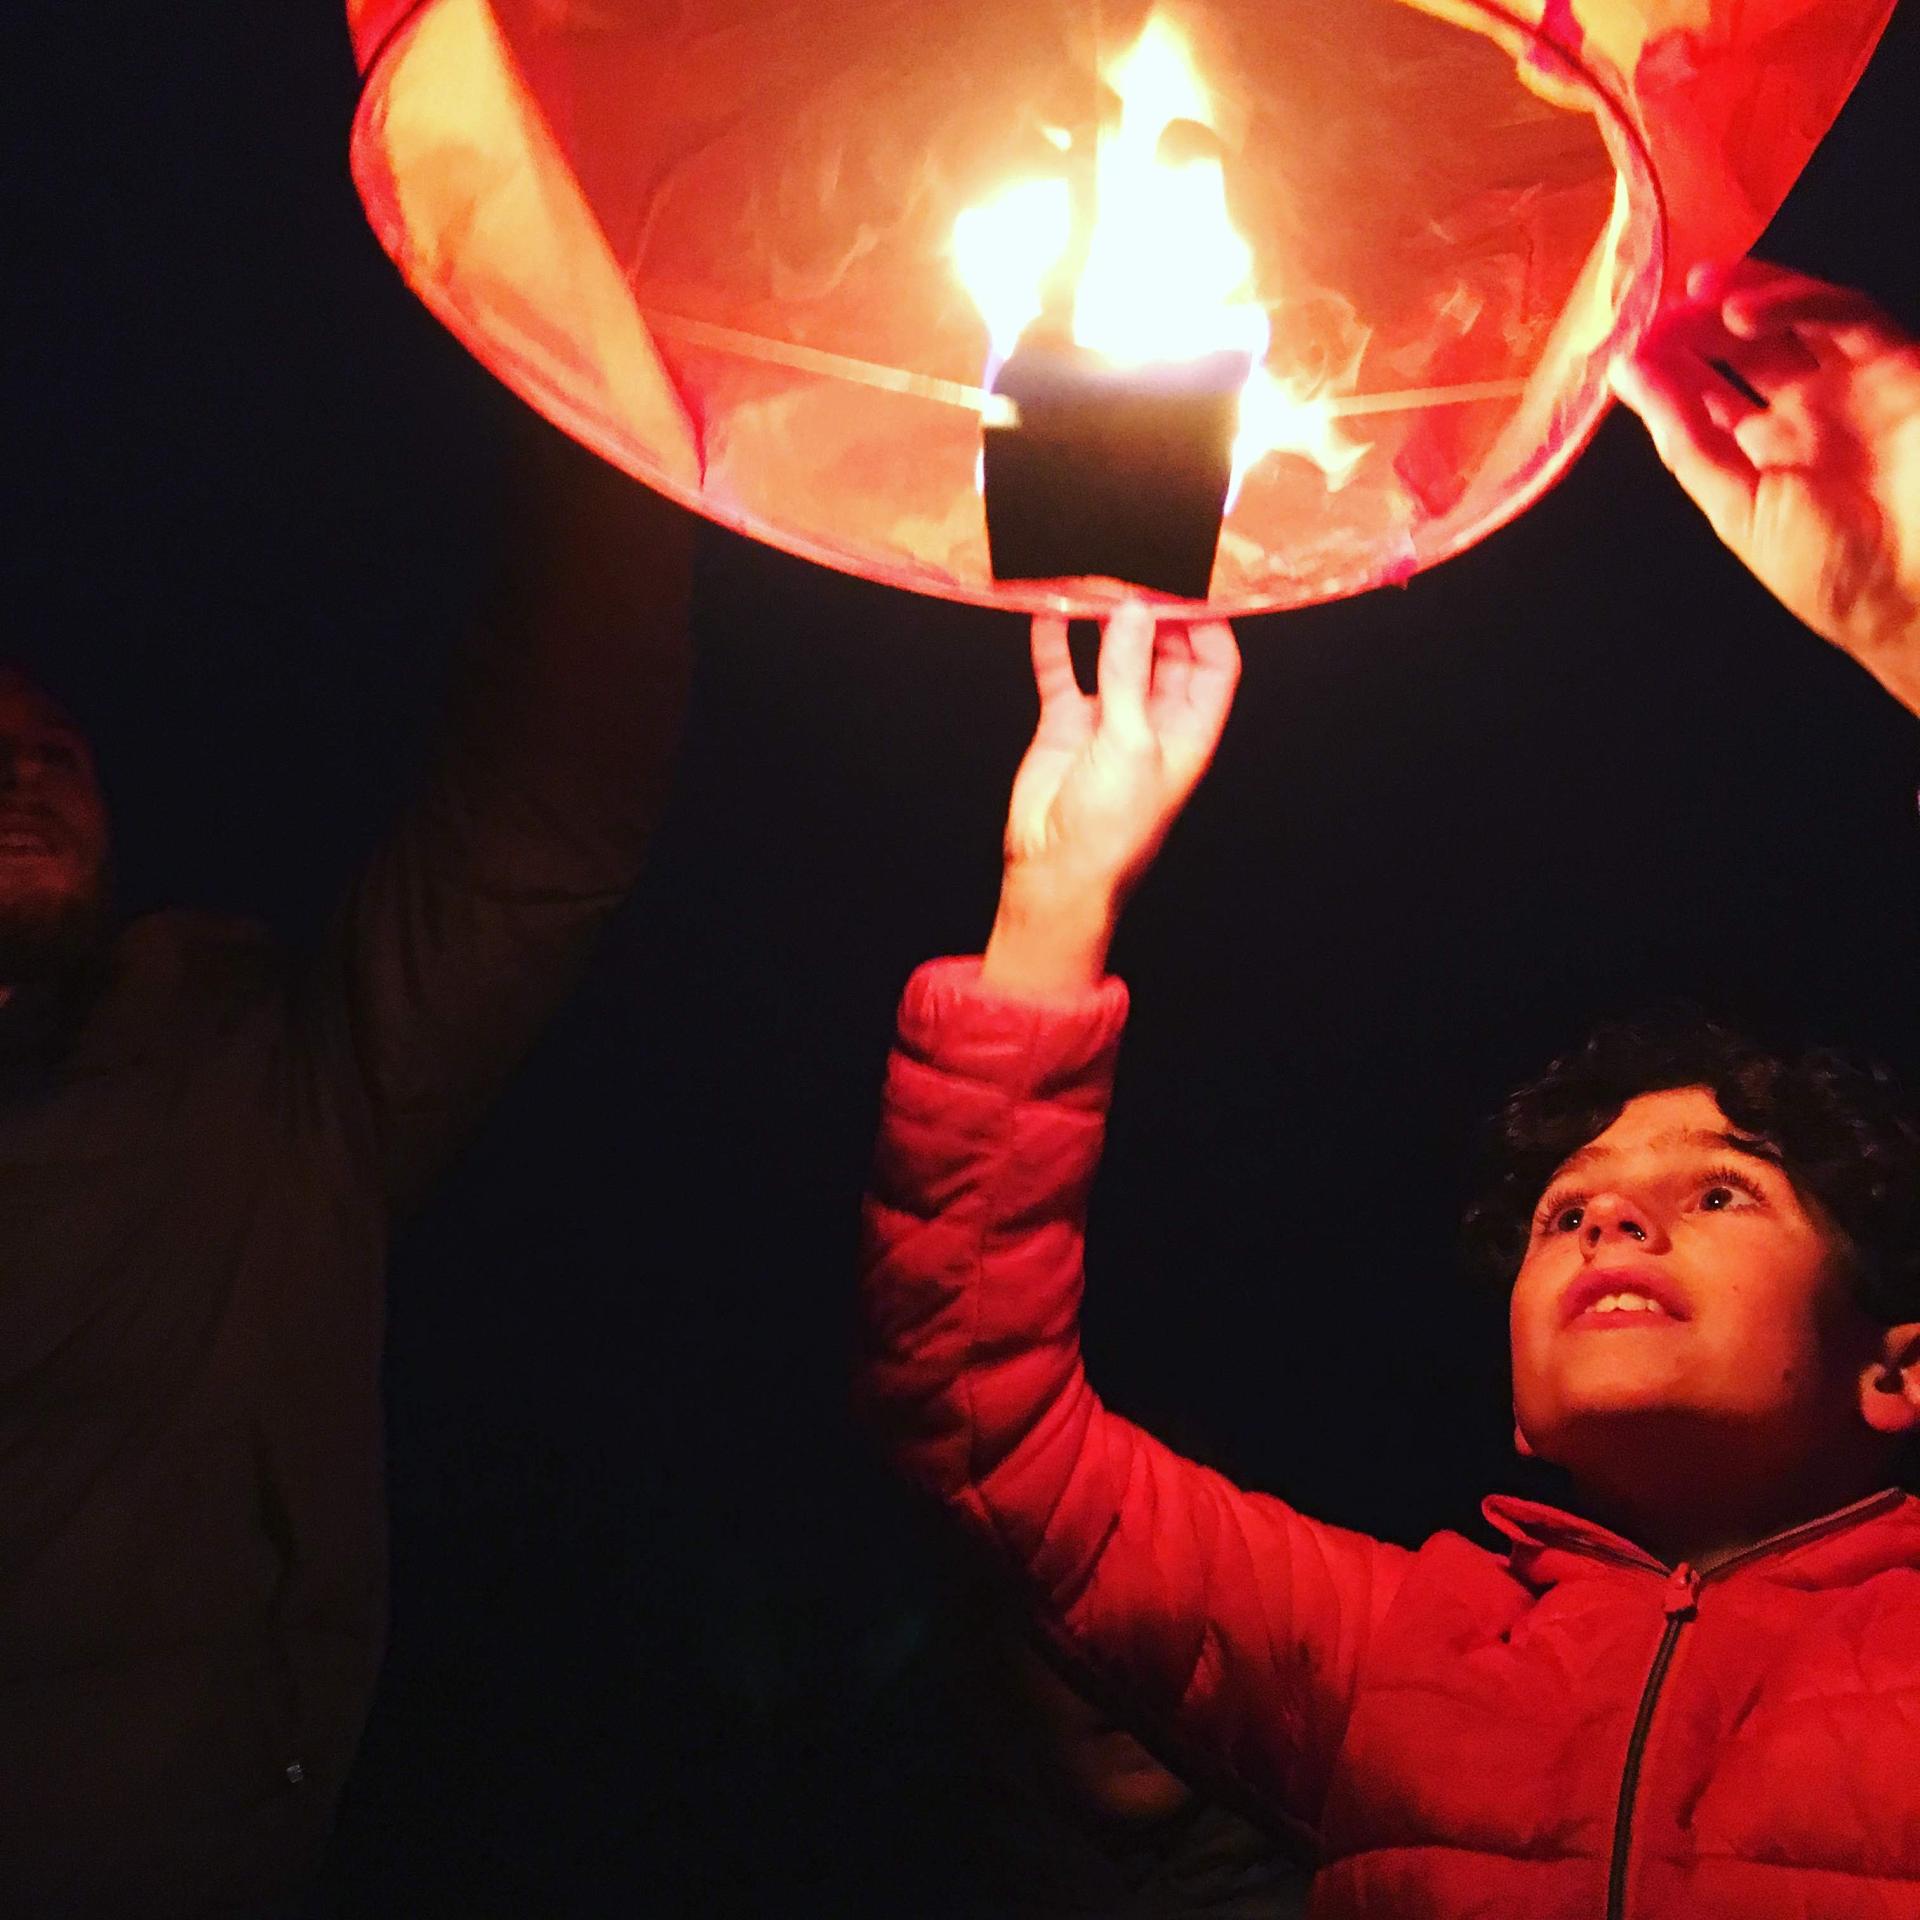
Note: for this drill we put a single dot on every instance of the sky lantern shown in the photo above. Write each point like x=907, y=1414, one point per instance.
x=1037, y=303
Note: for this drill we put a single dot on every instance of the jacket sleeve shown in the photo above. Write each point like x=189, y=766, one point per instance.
x=1232, y=1625
x=469, y=924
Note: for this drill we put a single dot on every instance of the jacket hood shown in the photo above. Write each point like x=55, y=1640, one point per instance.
x=1874, y=1535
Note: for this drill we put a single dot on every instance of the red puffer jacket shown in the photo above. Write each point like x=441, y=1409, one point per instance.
x=1563, y=1731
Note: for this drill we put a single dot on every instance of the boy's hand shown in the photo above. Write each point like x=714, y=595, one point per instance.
x=1104, y=779
x=1818, y=490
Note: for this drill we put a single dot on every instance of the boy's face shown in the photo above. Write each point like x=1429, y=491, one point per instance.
x=1673, y=1272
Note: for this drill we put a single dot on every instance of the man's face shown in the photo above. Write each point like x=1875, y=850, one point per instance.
x=1673, y=1271
x=53, y=818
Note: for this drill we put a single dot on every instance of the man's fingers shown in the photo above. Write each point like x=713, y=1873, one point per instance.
x=1693, y=335
x=1770, y=362
x=1778, y=437
x=1825, y=332
x=1721, y=279
x=1668, y=392
x=1126, y=665
x=1726, y=409
x=1756, y=299
x=1809, y=305
x=1052, y=661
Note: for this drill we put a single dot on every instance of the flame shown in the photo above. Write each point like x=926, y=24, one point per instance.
x=1165, y=274
x=1004, y=252
x=1280, y=416
x=1166, y=277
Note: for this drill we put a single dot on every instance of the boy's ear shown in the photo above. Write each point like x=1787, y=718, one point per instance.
x=1890, y=1383
x=1521, y=1444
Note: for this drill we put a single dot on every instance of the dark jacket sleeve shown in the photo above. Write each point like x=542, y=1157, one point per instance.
x=468, y=925
x=1230, y=1623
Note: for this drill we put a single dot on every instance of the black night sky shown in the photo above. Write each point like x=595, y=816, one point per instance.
x=657, y=1614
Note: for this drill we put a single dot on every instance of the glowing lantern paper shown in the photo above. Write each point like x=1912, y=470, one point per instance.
x=1356, y=266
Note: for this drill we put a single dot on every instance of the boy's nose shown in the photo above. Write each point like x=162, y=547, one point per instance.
x=1615, y=1216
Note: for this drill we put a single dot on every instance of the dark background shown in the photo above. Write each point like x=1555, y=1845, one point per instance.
x=654, y=1606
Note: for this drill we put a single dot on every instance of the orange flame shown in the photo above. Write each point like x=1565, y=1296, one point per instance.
x=1166, y=276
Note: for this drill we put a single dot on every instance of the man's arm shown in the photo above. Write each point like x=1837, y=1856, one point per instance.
x=473, y=919
x=1233, y=1626
x=1812, y=475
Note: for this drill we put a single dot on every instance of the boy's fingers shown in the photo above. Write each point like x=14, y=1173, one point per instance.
x=1214, y=647
x=1172, y=647
x=1216, y=669
x=1052, y=661
x=1126, y=664
x=1172, y=667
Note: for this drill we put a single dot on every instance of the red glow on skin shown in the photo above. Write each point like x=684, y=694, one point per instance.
x=53, y=816
x=1752, y=1400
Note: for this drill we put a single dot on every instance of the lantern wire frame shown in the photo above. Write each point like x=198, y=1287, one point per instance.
x=761, y=321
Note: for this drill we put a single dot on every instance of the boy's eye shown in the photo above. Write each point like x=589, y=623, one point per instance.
x=1726, y=1188
x=1562, y=1216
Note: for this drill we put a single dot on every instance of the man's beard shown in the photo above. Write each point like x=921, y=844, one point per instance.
x=52, y=941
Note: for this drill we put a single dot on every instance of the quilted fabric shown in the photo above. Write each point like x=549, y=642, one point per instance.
x=1452, y=1726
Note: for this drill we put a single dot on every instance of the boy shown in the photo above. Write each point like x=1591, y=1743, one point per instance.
x=1703, y=1699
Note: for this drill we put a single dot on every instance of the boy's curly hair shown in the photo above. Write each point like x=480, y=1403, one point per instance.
x=1844, y=1134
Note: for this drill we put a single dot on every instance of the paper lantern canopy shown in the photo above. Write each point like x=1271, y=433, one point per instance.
x=1036, y=302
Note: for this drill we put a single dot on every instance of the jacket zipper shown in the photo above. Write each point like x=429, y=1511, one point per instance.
x=1682, y=1603
x=1682, y=1600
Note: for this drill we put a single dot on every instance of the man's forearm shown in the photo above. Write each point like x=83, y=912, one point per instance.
x=472, y=920
x=568, y=711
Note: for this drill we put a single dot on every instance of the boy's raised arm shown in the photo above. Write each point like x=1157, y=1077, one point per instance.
x=1231, y=1626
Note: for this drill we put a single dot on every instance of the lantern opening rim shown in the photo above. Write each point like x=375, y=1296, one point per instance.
x=1638, y=301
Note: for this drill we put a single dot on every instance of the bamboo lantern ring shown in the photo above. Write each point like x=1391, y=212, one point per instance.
x=1041, y=303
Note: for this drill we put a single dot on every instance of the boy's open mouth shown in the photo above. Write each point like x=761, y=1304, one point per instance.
x=1622, y=1297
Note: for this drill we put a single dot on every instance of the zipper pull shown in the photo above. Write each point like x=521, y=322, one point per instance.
x=1683, y=1593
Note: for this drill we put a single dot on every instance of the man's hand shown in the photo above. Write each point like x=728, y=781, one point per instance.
x=1104, y=779
x=1816, y=485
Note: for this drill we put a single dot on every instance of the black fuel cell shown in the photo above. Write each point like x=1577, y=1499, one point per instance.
x=1115, y=471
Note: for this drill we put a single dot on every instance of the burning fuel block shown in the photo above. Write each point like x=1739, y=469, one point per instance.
x=1114, y=471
